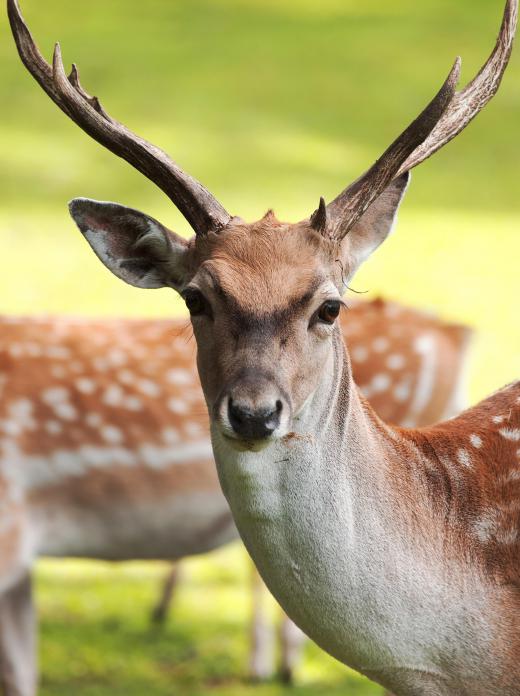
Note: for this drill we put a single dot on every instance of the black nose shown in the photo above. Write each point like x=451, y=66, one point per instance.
x=254, y=424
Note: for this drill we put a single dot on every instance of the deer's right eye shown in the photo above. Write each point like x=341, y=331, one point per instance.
x=195, y=302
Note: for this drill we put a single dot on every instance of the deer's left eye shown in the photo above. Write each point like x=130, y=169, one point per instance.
x=329, y=311
x=195, y=302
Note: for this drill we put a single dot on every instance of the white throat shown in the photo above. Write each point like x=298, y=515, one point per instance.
x=329, y=544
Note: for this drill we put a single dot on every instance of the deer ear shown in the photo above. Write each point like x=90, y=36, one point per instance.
x=374, y=226
x=134, y=246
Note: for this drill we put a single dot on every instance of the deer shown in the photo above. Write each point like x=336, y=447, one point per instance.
x=117, y=440
x=412, y=367
x=395, y=549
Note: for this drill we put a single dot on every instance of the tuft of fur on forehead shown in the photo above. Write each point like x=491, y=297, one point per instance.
x=266, y=265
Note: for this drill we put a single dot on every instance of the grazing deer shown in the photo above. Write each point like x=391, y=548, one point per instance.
x=396, y=550
x=114, y=441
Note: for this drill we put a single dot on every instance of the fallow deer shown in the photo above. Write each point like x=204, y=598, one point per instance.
x=114, y=441
x=410, y=364
x=396, y=550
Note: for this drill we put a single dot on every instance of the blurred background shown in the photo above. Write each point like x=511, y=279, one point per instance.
x=270, y=103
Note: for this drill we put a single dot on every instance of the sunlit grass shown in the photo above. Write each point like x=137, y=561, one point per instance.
x=97, y=638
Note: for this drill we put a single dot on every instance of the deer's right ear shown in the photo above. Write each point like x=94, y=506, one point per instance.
x=134, y=246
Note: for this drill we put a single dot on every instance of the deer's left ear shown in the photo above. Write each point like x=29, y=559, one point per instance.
x=374, y=226
x=134, y=246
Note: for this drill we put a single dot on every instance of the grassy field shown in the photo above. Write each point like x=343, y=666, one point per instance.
x=98, y=641
x=271, y=103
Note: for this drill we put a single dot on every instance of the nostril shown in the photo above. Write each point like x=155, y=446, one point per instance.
x=253, y=423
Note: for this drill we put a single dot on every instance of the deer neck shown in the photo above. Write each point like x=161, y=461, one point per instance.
x=322, y=515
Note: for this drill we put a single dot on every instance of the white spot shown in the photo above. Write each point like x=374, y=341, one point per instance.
x=93, y=420
x=53, y=427
x=425, y=346
x=359, y=354
x=498, y=419
x=146, y=386
x=55, y=395
x=133, y=403
x=177, y=405
x=507, y=536
x=402, y=391
x=117, y=357
x=395, y=361
x=85, y=385
x=20, y=412
x=65, y=411
x=170, y=436
x=380, y=383
x=126, y=377
x=475, y=440
x=100, y=364
x=10, y=427
x=485, y=527
x=512, y=434
x=111, y=434
x=178, y=376
x=392, y=310
x=464, y=458
x=113, y=395
x=33, y=349
x=58, y=352
x=380, y=344
x=15, y=350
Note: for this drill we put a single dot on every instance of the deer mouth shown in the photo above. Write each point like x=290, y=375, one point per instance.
x=242, y=445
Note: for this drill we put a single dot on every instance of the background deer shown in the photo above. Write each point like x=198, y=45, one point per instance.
x=314, y=479
x=113, y=438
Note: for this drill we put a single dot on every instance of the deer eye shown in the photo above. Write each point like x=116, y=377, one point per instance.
x=329, y=311
x=195, y=302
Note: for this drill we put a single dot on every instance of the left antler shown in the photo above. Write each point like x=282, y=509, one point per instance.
x=447, y=115
x=196, y=203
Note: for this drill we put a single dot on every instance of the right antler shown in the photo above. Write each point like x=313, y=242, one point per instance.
x=447, y=115
x=196, y=203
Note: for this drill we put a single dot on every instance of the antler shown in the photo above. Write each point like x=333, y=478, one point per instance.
x=196, y=203
x=445, y=117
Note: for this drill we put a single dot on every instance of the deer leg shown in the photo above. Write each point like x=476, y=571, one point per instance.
x=18, y=669
x=291, y=642
x=261, y=659
x=160, y=611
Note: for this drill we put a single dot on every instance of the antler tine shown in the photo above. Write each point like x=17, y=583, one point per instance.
x=446, y=116
x=346, y=209
x=473, y=98
x=203, y=212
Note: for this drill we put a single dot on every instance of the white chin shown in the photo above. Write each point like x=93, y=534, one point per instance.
x=247, y=445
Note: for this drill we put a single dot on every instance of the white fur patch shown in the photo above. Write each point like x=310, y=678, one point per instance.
x=85, y=385
x=359, y=354
x=512, y=434
x=177, y=405
x=180, y=377
x=475, y=440
x=380, y=344
x=395, y=361
x=464, y=457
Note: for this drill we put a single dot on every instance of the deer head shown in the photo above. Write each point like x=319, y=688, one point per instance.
x=263, y=297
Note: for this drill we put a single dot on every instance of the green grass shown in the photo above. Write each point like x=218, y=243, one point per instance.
x=97, y=639
x=270, y=103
